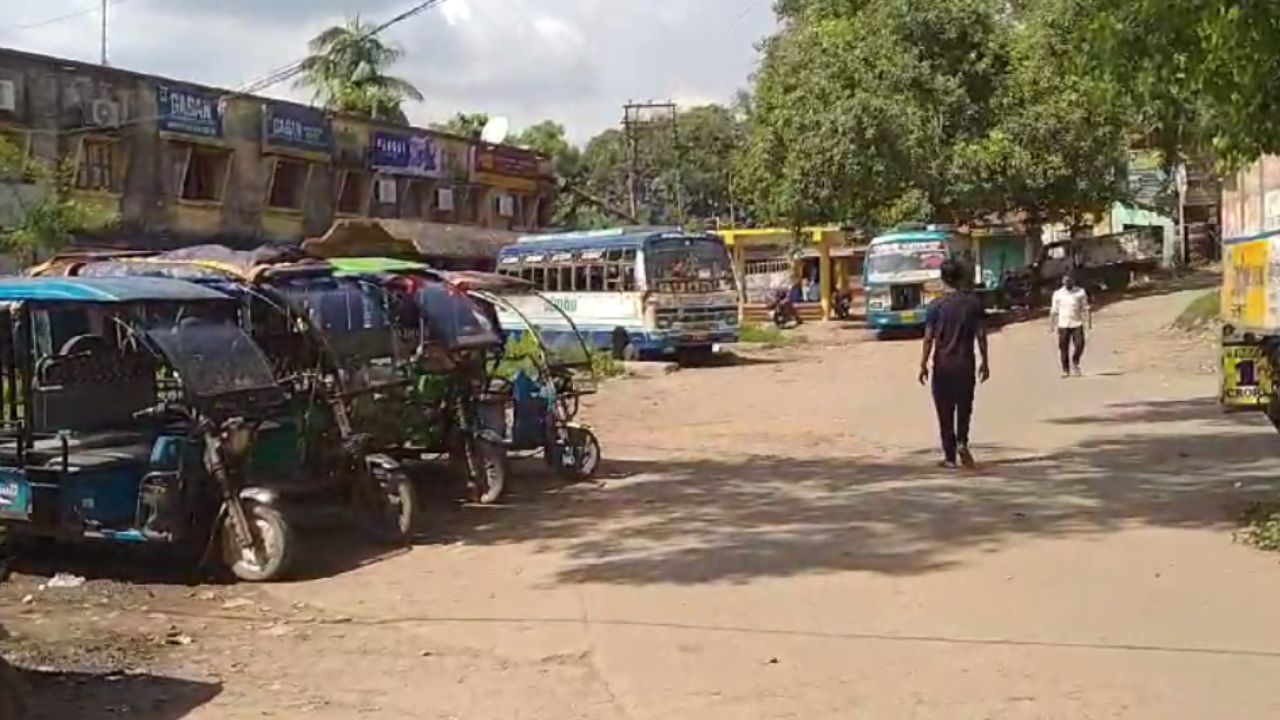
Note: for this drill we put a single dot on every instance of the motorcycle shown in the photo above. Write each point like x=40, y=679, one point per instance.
x=782, y=311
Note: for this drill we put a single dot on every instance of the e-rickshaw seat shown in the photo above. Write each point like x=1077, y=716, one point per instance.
x=96, y=450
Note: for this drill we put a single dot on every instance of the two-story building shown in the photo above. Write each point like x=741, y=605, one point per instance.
x=183, y=163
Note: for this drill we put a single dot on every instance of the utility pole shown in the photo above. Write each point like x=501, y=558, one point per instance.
x=104, y=31
x=637, y=120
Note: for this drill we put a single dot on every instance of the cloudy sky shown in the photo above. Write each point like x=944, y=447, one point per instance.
x=576, y=61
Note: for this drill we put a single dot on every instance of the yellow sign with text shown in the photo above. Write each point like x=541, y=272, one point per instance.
x=1246, y=376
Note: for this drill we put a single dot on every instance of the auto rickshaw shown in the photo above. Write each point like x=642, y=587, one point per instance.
x=455, y=414
x=130, y=413
x=545, y=381
x=540, y=384
x=332, y=345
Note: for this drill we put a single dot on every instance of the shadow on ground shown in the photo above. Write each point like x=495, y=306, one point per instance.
x=66, y=695
x=706, y=520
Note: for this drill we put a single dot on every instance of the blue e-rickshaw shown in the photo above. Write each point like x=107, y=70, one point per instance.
x=129, y=414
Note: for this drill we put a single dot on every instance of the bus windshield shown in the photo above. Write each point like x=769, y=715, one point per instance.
x=689, y=264
x=905, y=258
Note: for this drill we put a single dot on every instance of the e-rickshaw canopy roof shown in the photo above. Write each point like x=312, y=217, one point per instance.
x=103, y=290
x=487, y=282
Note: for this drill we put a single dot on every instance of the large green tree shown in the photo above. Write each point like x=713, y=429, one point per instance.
x=872, y=112
x=681, y=171
x=347, y=72
x=465, y=124
x=1204, y=74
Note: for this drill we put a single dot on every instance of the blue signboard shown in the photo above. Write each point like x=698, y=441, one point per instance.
x=299, y=128
x=188, y=111
x=415, y=154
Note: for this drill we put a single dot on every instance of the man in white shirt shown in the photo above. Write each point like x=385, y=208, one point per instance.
x=1068, y=316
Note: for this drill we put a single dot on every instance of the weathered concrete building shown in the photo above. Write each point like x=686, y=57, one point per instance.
x=184, y=163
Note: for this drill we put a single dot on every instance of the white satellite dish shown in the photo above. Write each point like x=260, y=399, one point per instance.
x=495, y=131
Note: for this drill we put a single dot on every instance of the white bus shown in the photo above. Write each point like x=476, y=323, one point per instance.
x=636, y=292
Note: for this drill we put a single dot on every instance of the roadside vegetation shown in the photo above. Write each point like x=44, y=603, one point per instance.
x=1262, y=527
x=1200, y=313
x=767, y=335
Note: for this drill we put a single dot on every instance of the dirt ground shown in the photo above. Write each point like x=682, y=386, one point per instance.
x=771, y=539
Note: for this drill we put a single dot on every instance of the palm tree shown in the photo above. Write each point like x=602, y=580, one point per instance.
x=346, y=69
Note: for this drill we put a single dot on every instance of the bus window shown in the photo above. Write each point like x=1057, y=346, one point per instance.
x=566, y=278
x=628, y=276
x=580, y=278
x=595, y=278
x=539, y=277
x=553, y=280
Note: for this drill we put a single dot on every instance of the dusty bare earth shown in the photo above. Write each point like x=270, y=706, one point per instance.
x=771, y=540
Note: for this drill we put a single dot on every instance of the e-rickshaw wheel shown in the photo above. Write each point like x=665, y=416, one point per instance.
x=584, y=447
x=274, y=540
x=487, y=470
x=395, y=520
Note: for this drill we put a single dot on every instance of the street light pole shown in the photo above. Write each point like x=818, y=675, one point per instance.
x=104, y=31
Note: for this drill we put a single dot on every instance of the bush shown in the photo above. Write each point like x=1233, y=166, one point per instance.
x=604, y=366
x=767, y=335
x=1262, y=527
x=1201, y=312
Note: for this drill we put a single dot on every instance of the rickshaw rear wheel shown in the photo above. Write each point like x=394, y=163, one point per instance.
x=395, y=521
x=274, y=538
x=487, y=466
x=585, y=448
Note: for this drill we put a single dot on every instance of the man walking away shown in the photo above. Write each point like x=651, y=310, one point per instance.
x=1068, y=315
x=953, y=324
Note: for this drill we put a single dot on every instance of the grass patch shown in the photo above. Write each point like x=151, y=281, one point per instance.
x=604, y=366
x=1261, y=526
x=765, y=334
x=1201, y=312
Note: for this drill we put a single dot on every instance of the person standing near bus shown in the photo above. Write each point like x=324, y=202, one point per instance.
x=1068, y=316
x=954, y=323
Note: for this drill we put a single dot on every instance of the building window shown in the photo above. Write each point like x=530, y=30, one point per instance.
x=417, y=199
x=444, y=200
x=353, y=191
x=200, y=172
x=16, y=151
x=288, y=186
x=505, y=205
x=96, y=165
x=387, y=191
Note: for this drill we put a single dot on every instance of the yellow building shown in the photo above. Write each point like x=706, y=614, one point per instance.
x=768, y=259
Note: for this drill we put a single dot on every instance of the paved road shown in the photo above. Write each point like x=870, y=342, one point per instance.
x=774, y=541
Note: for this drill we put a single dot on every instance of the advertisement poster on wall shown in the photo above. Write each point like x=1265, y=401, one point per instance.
x=505, y=167
x=292, y=127
x=183, y=110
x=411, y=154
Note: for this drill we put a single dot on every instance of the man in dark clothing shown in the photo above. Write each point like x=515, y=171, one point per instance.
x=954, y=323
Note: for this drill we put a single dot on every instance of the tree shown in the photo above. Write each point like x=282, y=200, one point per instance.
x=681, y=174
x=468, y=125
x=1204, y=74
x=41, y=217
x=347, y=72
x=548, y=138
x=873, y=112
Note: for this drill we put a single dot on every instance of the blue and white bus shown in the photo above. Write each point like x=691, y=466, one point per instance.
x=903, y=274
x=637, y=292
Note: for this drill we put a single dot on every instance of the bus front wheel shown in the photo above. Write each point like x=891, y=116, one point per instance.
x=622, y=347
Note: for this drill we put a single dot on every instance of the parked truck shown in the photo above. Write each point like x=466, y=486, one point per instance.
x=1250, y=313
x=1099, y=263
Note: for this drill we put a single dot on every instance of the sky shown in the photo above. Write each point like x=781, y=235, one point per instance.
x=573, y=61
